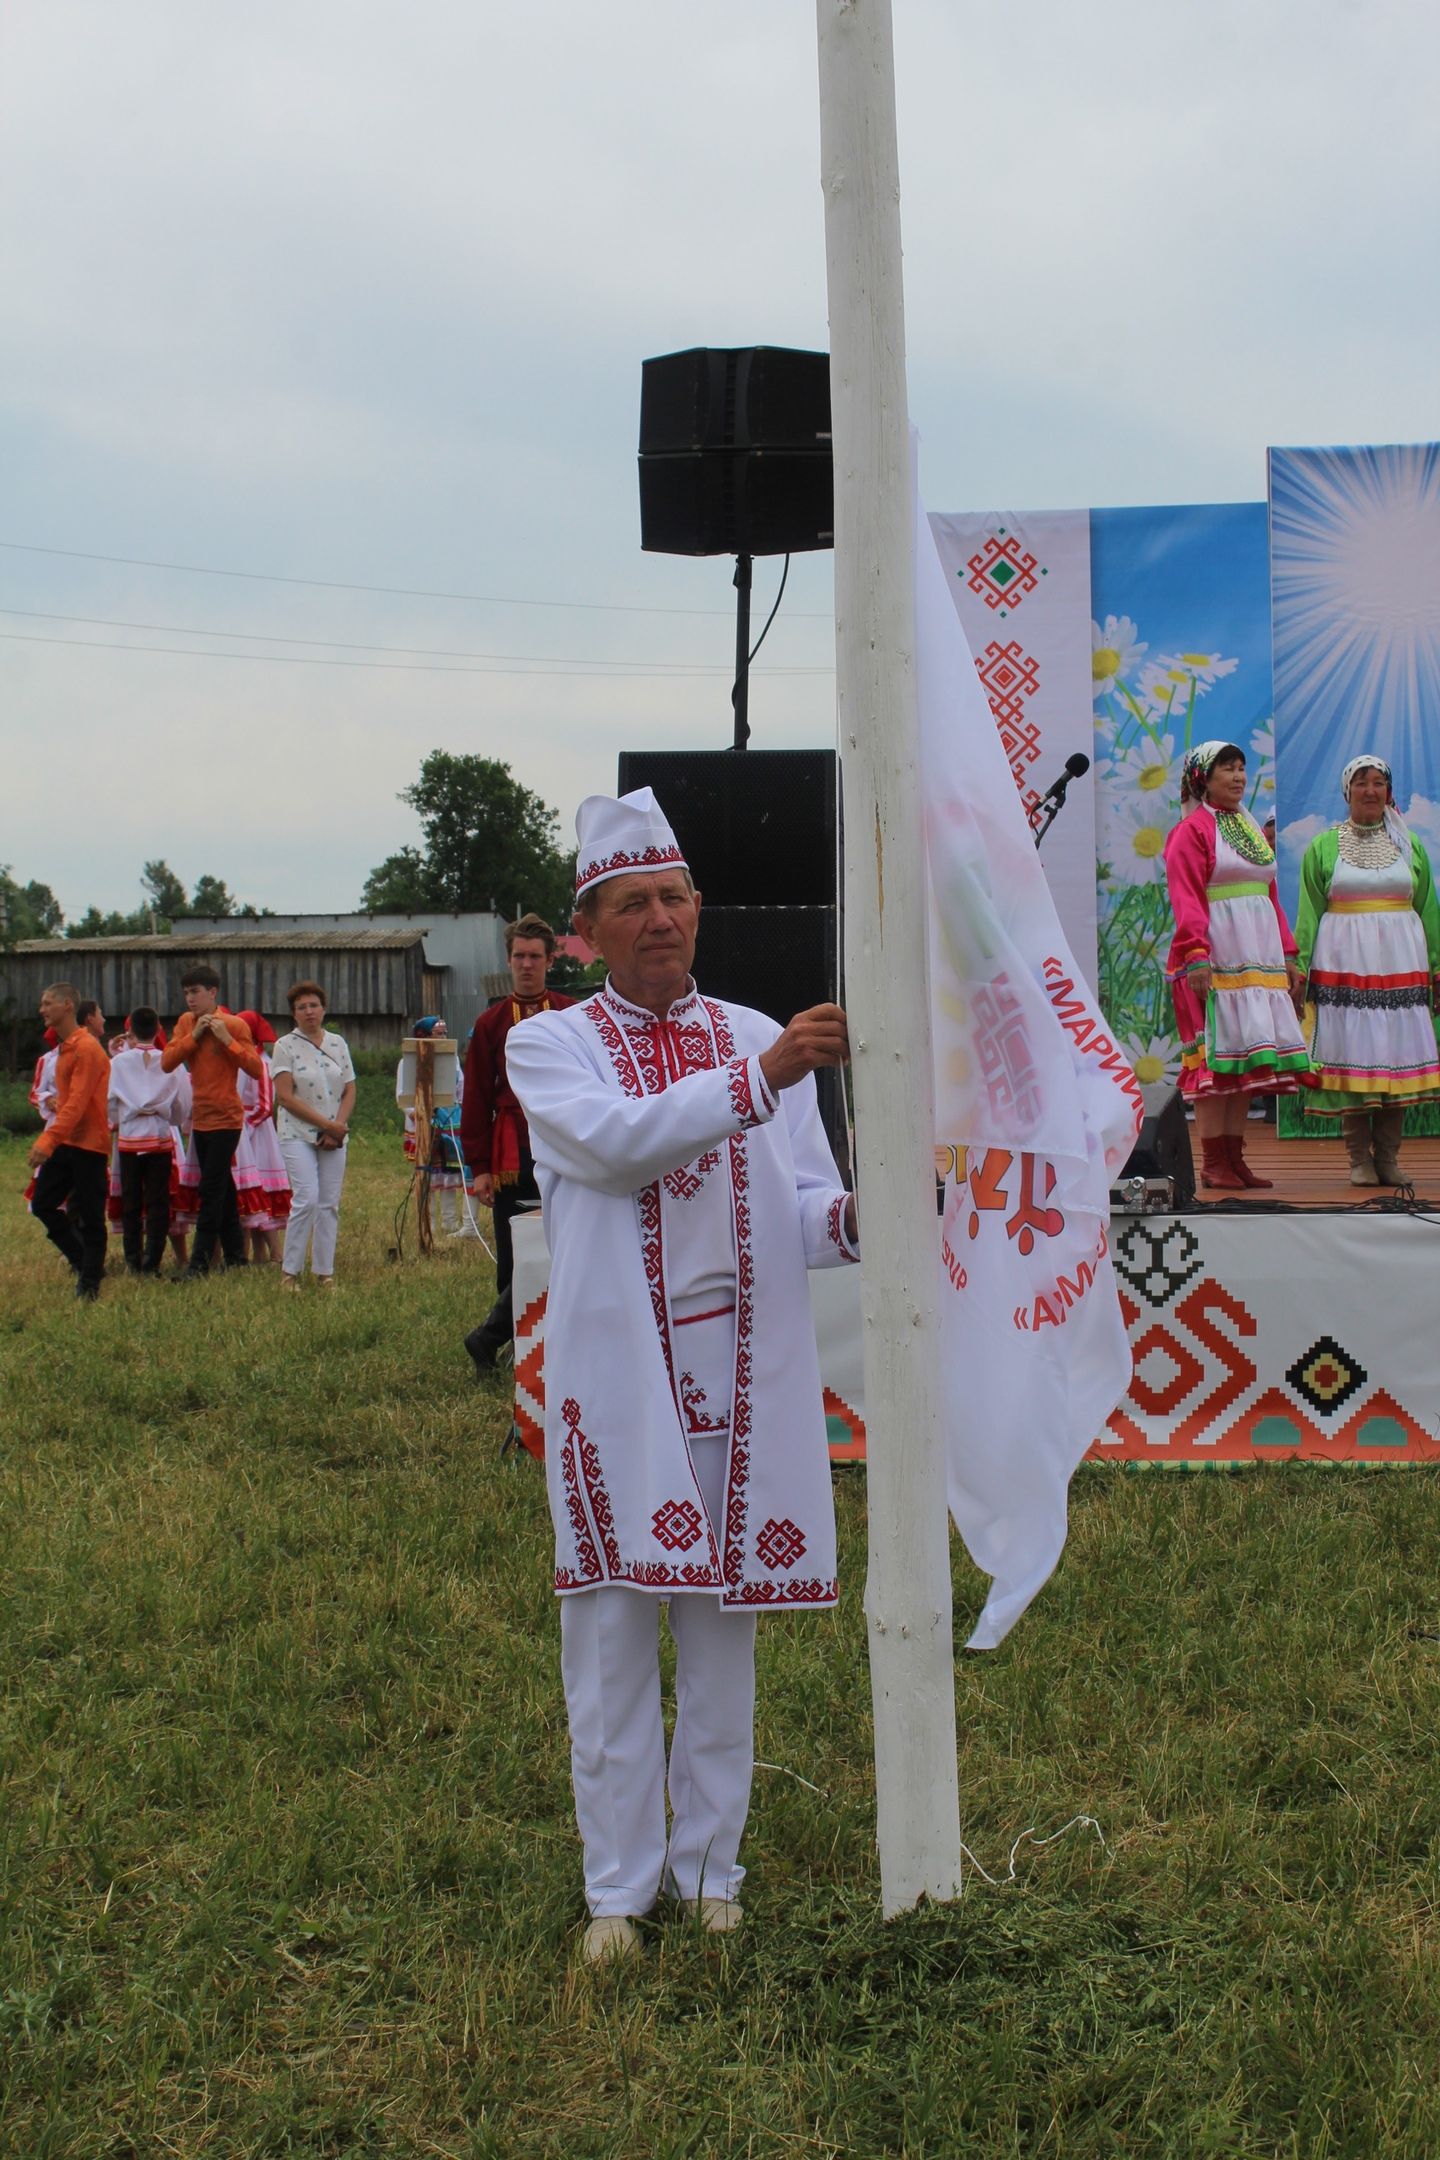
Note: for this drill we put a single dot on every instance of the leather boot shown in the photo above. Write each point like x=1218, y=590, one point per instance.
x=1355, y=1125
x=486, y=1342
x=1235, y=1142
x=1389, y=1125
x=1215, y=1168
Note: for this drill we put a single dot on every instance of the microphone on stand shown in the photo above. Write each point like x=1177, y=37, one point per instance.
x=1052, y=801
x=1076, y=765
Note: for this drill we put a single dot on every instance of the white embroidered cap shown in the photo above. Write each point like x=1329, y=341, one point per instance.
x=616, y=833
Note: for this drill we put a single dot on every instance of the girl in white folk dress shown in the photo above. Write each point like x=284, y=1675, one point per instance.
x=262, y=1183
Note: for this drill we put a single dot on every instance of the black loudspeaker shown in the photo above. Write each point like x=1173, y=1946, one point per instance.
x=780, y=960
x=1163, y=1148
x=735, y=452
x=747, y=397
x=737, y=502
x=757, y=828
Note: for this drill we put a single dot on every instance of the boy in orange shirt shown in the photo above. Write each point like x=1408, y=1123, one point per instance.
x=71, y=1158
x=216, y=1046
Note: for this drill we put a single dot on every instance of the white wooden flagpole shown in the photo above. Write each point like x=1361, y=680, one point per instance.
x=907, y=1596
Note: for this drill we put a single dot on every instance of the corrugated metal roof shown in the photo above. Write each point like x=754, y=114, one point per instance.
x=257, y=941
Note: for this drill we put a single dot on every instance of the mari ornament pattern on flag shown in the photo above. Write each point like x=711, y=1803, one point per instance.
x=1021, y=587
x=1036, y=1109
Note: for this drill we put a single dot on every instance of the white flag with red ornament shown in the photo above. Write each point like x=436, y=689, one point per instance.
x=1036, y=1109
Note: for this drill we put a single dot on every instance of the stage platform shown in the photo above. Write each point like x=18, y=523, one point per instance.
x=1257, y=1333
x=1316, y=1173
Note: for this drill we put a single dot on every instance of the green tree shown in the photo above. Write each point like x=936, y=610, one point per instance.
x=112, y=923
x=212, y=896
x=27, y=911
x=166, y=893
x=488, y=842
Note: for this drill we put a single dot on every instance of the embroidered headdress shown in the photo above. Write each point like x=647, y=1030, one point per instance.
x=620, y=833
x=1199, y=761
x=1395, y=825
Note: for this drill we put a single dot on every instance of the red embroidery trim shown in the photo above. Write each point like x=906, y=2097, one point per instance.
x=651, y=858
x=834, y=1224
x=599, y=1498
x=697, y=1409
x=742, y=1102
x=781, y=1543
x=585, y=1553
x=677, y=1525
x=815, y=1592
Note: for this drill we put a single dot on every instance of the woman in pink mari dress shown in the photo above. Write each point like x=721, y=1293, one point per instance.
x=1237, y=986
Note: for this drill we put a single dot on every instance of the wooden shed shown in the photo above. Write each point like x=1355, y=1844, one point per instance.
x=376, y=982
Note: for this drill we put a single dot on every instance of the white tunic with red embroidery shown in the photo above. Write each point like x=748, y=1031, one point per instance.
x=670, y=1175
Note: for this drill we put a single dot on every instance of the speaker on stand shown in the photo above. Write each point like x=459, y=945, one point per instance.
x=735, y=460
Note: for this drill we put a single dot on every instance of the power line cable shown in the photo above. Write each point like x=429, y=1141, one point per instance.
x=402, y=592
x=429, y=652
x=401, y=667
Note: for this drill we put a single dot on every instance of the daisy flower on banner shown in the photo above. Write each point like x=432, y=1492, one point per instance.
x=1168, y=693
x=1152, y=1059
x=1132, y=839
x=1204, y=668
x=1115, y=649
x=1148, y=767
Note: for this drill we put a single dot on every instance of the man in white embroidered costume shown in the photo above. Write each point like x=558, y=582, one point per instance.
x=687, y=1185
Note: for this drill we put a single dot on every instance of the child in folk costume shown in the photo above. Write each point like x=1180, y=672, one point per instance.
x=114, y=1197
x=448, y=1177
x=146, y=1104
x=1233, y=973
x=262, y=1183
x=42, y=1090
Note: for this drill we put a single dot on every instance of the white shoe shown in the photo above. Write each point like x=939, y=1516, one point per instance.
x=610, y=1939
x=718, y=1915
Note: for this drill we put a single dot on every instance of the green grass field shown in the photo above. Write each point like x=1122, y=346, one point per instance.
x=286, y=1856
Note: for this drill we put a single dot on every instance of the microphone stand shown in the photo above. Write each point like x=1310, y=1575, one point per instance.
x=1052, y=804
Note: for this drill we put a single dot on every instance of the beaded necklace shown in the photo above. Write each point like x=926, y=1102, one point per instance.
x=1239, y=829
x=1367, y=847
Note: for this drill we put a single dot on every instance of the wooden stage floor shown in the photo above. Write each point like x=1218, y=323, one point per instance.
x=1316, y=1173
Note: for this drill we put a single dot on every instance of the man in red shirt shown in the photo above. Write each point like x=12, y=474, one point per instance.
x=72, y=1158
x=216, y=1046
x=494, y=1138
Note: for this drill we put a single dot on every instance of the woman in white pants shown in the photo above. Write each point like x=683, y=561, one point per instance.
x=314, y=1096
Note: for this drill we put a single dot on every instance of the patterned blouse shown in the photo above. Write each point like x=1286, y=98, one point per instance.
x=321, y=1073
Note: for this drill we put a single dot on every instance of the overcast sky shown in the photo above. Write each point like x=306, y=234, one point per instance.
x=359, y=294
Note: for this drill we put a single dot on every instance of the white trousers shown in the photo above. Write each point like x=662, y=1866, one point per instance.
x=609, y=1657
x=316, y=1176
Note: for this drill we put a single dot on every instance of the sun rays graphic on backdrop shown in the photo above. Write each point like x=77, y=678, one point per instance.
x=1355, y=588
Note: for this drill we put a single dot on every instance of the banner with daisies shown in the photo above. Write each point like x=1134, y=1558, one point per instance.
x=1166, y=614
x=1180, y=637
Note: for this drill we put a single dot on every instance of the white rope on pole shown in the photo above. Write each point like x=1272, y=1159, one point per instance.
x=907, y=1597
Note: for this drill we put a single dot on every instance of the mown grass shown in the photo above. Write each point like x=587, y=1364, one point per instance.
x=286, y=1855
